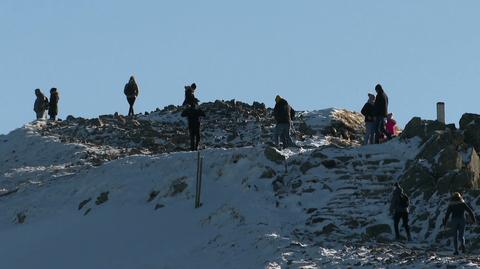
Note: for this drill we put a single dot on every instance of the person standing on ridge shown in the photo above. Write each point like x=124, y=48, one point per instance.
x=381, y=111
x=193, y=114
x=131, y=91
x=457, y=208
x=40, y=105
x=190, y=98
x=368, y=111
x=283, y=115
x=391, y=125
x=53, y=105
x=399, y=209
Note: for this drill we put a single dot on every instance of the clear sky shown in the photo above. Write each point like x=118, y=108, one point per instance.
x=315, y=53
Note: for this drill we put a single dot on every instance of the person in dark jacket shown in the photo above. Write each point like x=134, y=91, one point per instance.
x=381, y=111
x=399, y=209
x=131, y=91
x=41, y=104
x=457, y=208
x=368, y=111
x=190, y=98
x=53, y=105
x=193, y=114
x=283, y=115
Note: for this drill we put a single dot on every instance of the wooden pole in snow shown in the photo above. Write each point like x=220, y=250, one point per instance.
x=198, y=189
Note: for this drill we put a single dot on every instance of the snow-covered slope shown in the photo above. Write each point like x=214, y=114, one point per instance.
x=72, y=205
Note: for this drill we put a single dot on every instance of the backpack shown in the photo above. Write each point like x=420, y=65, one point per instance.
x=404, y=200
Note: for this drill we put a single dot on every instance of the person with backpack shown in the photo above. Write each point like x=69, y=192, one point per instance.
x=381, y=111
x=131, y=92
x=190, y=98
x=457, y=208
x=368, y=111
x=283, y=114
x=40, y=105
x=193, y=114
x=399, y=209
x=53, y=105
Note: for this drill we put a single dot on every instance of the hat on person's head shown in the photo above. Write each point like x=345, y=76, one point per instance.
x=390, y=115
x=370, y=95
x=378, y=88
x=193, y=86
x=187, y=88
x=53, y=90
x=278, y=98
x=37, y=91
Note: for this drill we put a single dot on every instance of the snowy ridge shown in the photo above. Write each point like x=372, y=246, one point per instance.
x=324, y=207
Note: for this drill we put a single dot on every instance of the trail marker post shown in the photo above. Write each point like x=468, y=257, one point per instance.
x=441, y=112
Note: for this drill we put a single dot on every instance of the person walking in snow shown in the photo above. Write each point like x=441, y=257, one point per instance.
x=283, y=115
x=193, y=114
x=381, y=111
x=368, y=111
x=457, y=208
x=399, y=209
x=190, y=98
x=40, y=105
x=131, y=92
x=391, y=125
x=53, y=105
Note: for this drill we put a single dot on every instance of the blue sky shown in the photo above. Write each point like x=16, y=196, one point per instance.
x=317, y=54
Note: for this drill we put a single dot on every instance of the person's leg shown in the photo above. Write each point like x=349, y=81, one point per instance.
x=461, y=235
x=367, y=134
x=288, y=136
x=455, y=231
x=372, y=132
x=131, y=102
x=276, y=135
x=192, y=137
x=396, y=220
x=284, y=134
x=405, y=225
x=197, y=137
x=377, y=129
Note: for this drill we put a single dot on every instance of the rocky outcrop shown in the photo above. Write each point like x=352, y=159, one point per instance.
x=448, y=160
x=470, y=125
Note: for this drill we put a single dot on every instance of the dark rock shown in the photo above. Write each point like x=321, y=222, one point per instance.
x=470, y=124
x=274, y=155
x=268, y=173
x=278, y=185
x=421, y=128
x=378, y=229
x=296, y=184
x=158, y=206
x=153, y=194
x=329, y=164
x=178, y=186
x=307, y=166
x=102, y=198
x=83, y=203
x=21, y=218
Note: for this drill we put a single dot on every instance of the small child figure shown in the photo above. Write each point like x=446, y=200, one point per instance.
x=391, y=125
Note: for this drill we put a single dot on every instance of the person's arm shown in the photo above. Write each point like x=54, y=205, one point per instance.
x=364, y=110
x=447, y=215
x=135, y=89
x=471, y=213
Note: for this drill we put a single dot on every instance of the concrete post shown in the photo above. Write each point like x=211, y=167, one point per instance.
x=441, y=112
